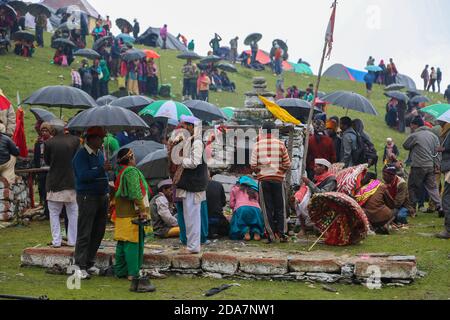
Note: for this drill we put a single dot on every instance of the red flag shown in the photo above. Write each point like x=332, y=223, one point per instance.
x=19, y=135
x=330, y=31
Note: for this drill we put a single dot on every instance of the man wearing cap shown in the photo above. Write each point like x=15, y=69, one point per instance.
x=91, y=183
x=192, y=183
x=165, y=224
x=398, y=191
x=423, y=146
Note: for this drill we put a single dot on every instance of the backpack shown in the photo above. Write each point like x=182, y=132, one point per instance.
x=365, y=151
x=87, y=78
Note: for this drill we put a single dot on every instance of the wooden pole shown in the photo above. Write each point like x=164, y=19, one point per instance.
x=323, y=233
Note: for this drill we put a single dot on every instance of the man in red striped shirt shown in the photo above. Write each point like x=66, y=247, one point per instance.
x=270, y=160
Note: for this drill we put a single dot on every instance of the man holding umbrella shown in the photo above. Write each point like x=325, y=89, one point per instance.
x=41, y=25
x=91, y=182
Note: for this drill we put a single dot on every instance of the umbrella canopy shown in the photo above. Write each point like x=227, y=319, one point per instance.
x=126, y=38
x=70, y=10
x=229, y=112
x=420, y=99
x=445, y=117
x=412, y=93
x=133, y=54
x=123, y=24
x=150, y=54
x=103, y=101
x=394, y=87
x=166, y=109
x=297, y=108
x=63, y=42
x=61, y=96
x=111, y=118
x=9, y=11
x=19, y=6
x=436, y=110
x=101, y=42
x=373, y=68
x=350, y=100
x=228, y=67
x=68, y=26
x=346, y=222
x=210, y=59
x=42, y=114
x=321, y=94
x=189, y=55
x=87, y=53
x=134, y=103
x=254, y=37
x=155, y=165
x=141, y=149
x=282, y=44
x=205, y=111
x=36, y=9
x=23, y=35
x=400, y=96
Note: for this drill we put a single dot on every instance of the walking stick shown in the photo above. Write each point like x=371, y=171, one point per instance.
x=321, y=236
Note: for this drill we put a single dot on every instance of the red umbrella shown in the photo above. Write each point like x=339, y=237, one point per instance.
x=19, y=135
x=151, y=54
x=340, y=218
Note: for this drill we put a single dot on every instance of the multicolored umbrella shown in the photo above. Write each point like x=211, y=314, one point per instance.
x=166, y=109
x=436, y=110
x=445, y=117
x=229, y=112
x=339, y=217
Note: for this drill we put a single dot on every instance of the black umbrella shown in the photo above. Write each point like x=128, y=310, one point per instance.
x=420, y=99
x=189, y=55
x=36, y=9
x=282, y=44
x=133, y=54
x=102, y=101
x=400, y=96
x=42, y=114
x=62, y=97
x=123, y=24
x=205, y=111
x=134, y=103
x=321, y=94
x=19, y=6
x=350, y=100
x=87, y=53
x=111, y=118
x=254, y=37
x=141, y=149
x=68, y=26
x=155, y=165
x=394, y=87
x=297, y=108
x=228, y=67
x=210, y=59
x=9, y=11
x=412, y=93
x=23, y=35
x=101, y=42
x=61, y=42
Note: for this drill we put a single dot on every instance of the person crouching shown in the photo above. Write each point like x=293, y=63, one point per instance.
x=132, y=207
x=165, y=223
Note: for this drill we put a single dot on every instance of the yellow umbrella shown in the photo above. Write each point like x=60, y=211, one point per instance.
x=278, y=112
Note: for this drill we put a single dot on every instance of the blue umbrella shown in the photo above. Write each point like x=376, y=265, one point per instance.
x=126, y=38
x=374, y=68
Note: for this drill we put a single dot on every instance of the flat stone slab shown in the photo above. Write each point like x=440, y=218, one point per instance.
x=243, y=260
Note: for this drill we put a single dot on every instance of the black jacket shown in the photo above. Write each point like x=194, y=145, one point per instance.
x=194, y=180
x=215, y=195
x=7, y=149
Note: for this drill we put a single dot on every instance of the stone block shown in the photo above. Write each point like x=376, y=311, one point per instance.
x=220, y=263
x=323, y=277
x=314, y=264
x=388, y=269
x=186, y=262
x=263, y=266
x=158, y=261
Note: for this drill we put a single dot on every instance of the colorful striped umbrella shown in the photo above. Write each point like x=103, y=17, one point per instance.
x=166, y=109
x=229, y=112
x=437, y=110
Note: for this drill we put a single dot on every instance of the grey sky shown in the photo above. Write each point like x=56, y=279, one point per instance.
x=413, y=32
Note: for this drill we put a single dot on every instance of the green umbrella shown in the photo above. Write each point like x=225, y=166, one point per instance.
x=436, y=110
x=166, y=109
x=229, y=112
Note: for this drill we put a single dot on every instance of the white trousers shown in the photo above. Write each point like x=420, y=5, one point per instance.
x=192, y=220
x=55, y=209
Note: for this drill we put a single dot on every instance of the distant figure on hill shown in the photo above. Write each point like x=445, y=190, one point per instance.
x=425, y=76
x=136, y=29
x=433, y=79
x=163, y=34
x=447, y=94
x=215, y=44
x=439, y=78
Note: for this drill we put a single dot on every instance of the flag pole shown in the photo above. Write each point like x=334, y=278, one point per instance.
x=316, y=91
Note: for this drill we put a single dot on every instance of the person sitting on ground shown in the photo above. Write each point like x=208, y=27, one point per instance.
x=8, y=154
x=398, y=190
x=132, y=209
x=165, y=223
x=389, y=150
x=218, y=225
x=293, y=92
x=28, y=49
x=59, y=58
x=227, y=85
x=324, y=181
x=247, y=221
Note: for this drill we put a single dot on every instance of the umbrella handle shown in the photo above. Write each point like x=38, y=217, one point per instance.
x=321, y=236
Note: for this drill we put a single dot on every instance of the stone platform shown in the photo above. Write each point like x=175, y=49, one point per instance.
x=251, y=262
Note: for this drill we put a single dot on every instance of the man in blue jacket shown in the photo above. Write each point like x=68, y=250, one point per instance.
x=91, y=182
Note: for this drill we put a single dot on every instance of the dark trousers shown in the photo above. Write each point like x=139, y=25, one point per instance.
x=40, y=36
x=446, y=205
x=186, y=87
x=103, y=88
x=203, y=95
x=193, y=88
x=92, y=216
x=274, y=216
x=152, y=86
x=95, y=89
x=218, y=226
x=401, y=121
x=419, y=177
